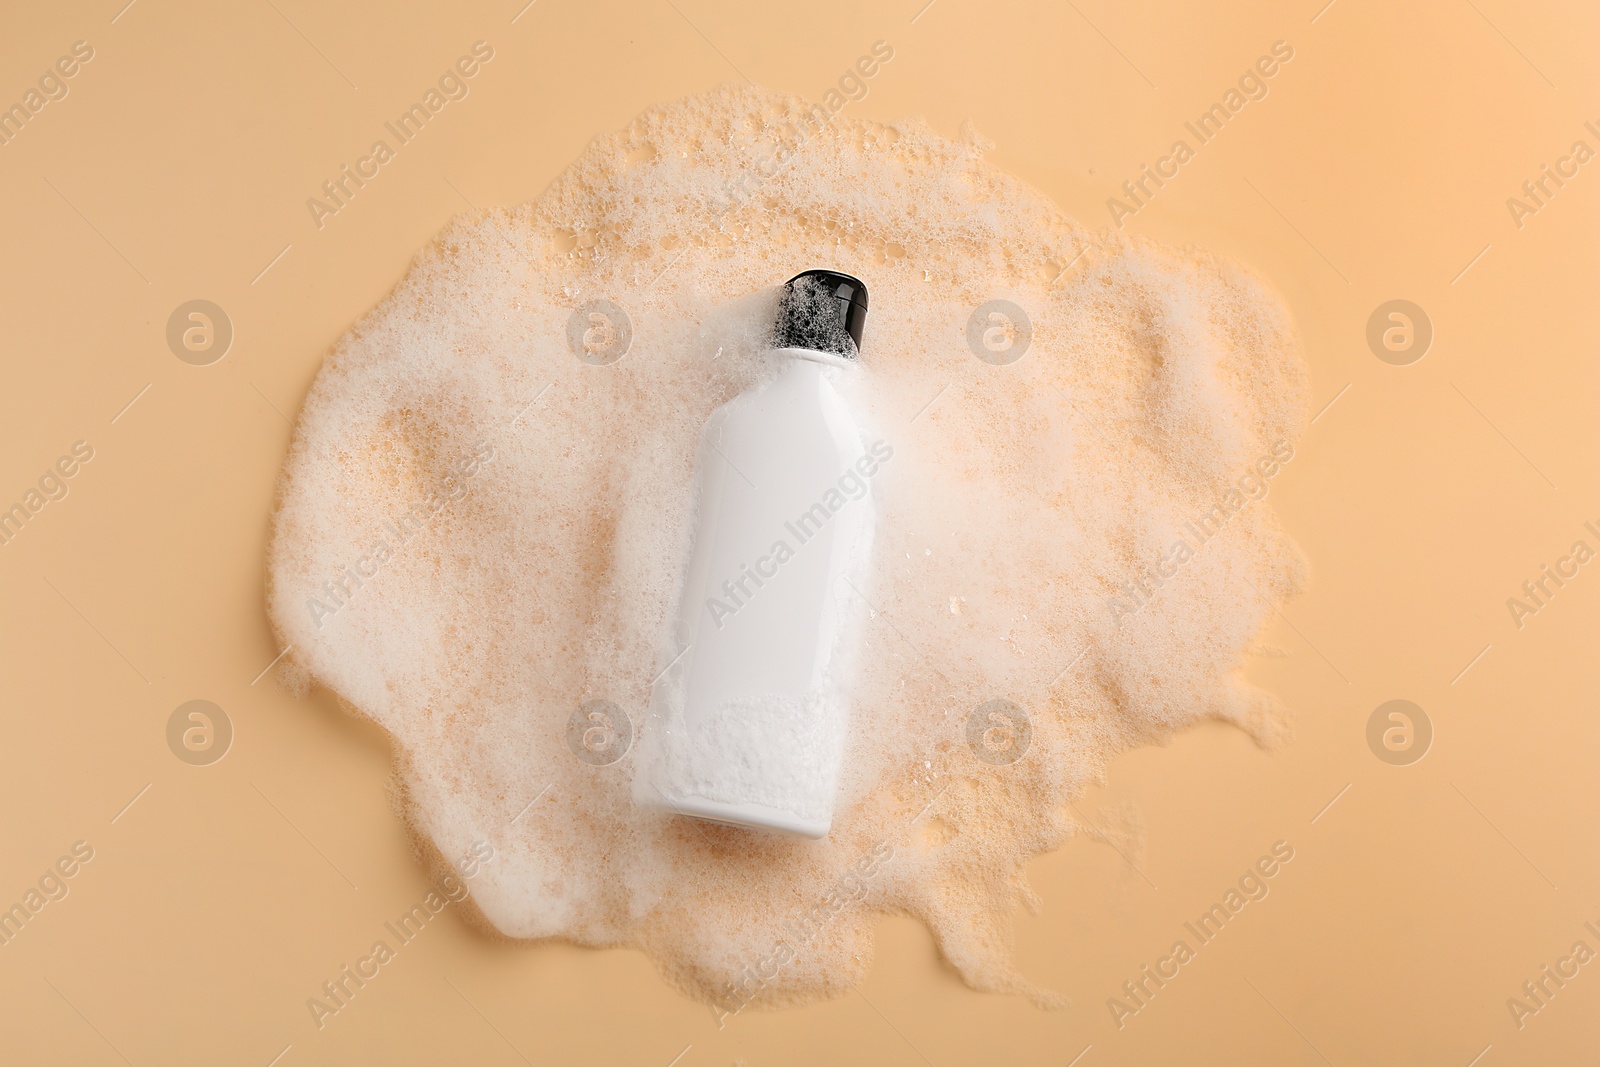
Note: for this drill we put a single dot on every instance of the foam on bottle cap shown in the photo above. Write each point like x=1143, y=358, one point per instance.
x=478, y=532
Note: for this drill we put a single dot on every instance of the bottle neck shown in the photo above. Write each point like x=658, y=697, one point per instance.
x=829, y=359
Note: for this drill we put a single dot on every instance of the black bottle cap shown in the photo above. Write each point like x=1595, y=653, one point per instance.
x=822, y=310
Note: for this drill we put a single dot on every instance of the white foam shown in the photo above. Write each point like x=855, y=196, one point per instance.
x=1024, y=495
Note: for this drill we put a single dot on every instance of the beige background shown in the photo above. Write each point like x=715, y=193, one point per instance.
x=1377, y=168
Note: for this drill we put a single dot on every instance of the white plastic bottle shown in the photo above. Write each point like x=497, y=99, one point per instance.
x=748, y=722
